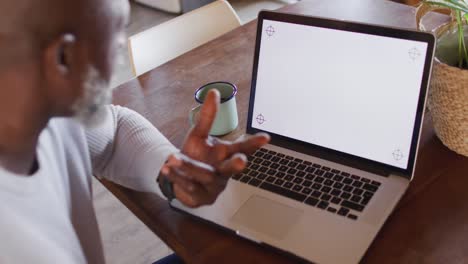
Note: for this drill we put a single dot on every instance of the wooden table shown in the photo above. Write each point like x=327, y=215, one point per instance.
x=430, y=224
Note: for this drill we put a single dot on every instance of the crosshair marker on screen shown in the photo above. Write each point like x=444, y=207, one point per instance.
x=270, y=31
x=397, y=155
x=260, y=119
x=414, y=53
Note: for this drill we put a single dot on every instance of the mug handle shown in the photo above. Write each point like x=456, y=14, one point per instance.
x=193, y=113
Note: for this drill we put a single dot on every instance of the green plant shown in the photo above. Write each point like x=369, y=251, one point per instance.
x=459, y=9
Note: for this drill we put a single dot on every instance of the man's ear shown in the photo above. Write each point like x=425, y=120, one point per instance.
x=61, y=69
x=61, y=54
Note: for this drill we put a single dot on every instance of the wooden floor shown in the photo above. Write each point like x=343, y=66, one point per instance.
x=125, y=238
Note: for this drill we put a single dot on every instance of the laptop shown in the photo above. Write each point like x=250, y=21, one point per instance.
x=344, y=104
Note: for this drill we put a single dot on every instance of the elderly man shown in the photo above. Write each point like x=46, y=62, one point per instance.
x=56, y=59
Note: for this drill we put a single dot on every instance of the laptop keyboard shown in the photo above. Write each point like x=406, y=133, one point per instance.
x=335, y=191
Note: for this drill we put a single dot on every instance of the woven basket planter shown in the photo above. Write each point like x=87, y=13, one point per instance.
x=448, y=95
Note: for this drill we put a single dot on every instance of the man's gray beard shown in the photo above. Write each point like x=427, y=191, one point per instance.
x=89, y=108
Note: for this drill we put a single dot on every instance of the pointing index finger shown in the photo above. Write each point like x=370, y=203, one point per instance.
x=207, y=114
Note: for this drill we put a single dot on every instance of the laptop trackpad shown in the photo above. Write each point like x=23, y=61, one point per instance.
x=268, y=217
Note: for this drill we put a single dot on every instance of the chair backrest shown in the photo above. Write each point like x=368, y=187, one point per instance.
x=173, y=6
x=164, y=42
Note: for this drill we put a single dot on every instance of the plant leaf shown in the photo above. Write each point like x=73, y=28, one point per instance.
x=461, y=4
x=447, y=5
x=460, y=9
x=461, y=40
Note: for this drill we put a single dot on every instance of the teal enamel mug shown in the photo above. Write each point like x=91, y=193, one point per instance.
x=226, y=119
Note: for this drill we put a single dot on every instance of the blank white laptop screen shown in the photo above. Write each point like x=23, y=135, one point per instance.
x=351, y=92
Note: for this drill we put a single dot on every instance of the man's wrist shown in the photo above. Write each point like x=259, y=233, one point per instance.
x=167, y=187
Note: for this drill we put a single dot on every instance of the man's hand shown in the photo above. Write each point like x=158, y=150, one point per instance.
x=201, y=171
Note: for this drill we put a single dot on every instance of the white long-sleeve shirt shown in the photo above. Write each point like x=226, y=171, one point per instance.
x=49, y=217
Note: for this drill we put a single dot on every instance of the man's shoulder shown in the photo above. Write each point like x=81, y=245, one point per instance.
x=65, y=142
x=62, y=123
x=64, y=128
x=64, y=131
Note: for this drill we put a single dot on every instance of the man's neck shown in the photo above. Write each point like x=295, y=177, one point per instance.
x=18, y=146
x=25, y=164
x=23, y=116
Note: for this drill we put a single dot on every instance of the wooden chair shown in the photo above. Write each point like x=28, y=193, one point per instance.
x=164, y=42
